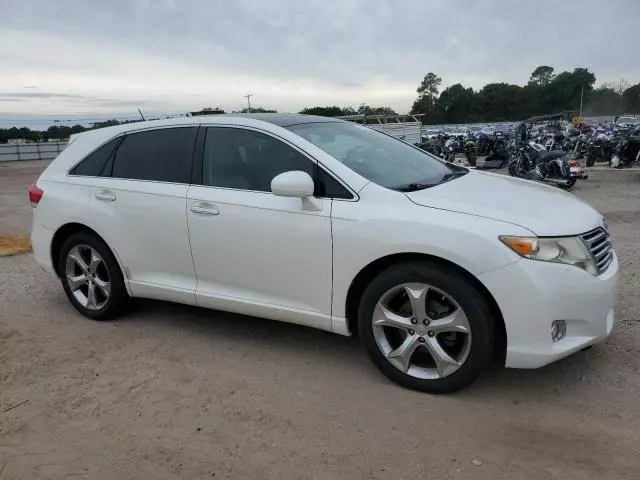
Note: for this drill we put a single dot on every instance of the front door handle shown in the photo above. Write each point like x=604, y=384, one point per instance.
x=105, y=196
x=204, y=208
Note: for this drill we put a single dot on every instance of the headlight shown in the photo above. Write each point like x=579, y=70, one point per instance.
x=569, y=250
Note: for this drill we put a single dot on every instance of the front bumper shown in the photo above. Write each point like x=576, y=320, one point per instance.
x=531, y=294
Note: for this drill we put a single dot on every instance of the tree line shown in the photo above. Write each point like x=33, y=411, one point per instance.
x=546, y=92
x=53, y=132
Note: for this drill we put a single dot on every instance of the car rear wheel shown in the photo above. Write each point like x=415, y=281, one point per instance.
x=91, y=277
x=426, y=327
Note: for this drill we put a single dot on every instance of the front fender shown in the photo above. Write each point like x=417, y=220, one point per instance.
x=362, y=235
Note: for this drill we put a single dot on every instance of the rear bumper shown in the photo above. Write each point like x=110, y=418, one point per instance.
x=41, y=238
x=531, y=295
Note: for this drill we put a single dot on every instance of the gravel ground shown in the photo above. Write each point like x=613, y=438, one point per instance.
x=179, y=392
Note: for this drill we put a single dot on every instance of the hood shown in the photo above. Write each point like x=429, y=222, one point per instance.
x=543, y=209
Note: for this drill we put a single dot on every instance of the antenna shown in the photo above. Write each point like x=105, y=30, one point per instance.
x=140, y=112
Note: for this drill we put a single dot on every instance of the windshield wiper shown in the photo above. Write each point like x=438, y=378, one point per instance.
x=412, y=187
x=452, y=175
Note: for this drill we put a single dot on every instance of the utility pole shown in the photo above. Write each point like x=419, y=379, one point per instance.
x=248, y=97
x=581, y=97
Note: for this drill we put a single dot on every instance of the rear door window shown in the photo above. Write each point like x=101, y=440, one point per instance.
x=162, y=155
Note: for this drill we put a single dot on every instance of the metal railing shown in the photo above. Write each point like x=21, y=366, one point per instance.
x=10, y=152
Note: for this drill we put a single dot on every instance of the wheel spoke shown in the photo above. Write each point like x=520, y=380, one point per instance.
x=401, y=356
x=417, y=294
x=105, y=287
x=95, y=262
x=383, y=317
x=77, y=258
x=91, y=297
x=454, y=322
x=445, y=363
x=76, y=282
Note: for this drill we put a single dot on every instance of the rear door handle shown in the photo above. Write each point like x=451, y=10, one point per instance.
x=204, y=208
x=105, y=196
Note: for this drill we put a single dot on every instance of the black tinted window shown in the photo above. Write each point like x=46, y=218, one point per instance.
x=163, y=155
x=93, y=165
x=247, y=160
x=329, y=187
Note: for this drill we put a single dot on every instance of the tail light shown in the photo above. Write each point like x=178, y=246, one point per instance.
x=573, y=163
x=35, y=195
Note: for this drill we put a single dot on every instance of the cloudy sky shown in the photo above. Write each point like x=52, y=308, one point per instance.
x=98, y=56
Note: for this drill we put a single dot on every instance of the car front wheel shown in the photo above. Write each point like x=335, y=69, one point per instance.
x=426, y=327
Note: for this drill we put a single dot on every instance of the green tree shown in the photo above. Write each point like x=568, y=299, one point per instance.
x=604, y=101
x=427, y=93
x=367, y=110
x=257, y=110
x=631, y=99
x=566, y=89
x=331, y=111
x=456, y=104
x=500, y=101
x=542, y=75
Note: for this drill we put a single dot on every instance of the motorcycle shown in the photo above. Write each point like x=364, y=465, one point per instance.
x=500, y=145
x=534, y=162
x=599, y=149
x=485, y=143
x=531, y=160
x=450, y=148
x=626, y=151
x=470, y=151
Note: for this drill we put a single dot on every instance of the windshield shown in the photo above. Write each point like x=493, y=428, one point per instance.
x=380, y=158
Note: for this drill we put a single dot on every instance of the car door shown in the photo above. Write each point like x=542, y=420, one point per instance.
x=255, y=252
x=139, y=206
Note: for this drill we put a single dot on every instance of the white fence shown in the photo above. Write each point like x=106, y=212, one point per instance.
x=30, y=151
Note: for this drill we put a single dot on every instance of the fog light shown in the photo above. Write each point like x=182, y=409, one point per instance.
x=558, y=330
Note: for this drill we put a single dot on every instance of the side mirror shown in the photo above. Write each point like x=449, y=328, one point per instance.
x=295, y=183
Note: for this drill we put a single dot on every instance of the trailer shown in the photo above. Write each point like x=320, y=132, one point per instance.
x=404, y=127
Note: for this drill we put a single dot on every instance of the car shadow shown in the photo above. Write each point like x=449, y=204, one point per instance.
x=346, y=354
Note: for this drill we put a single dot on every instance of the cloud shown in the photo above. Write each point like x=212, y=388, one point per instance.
x=25, y=95
x=291, y=54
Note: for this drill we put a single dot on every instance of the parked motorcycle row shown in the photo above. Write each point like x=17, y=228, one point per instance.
x=544, y=148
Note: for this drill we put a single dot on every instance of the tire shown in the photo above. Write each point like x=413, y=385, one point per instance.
x=513, y=167
x=442, y=282
x=591, y=161
x=110, y=297
x=471, y=158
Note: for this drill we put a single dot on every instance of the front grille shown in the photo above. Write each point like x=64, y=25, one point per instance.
x=600, y=247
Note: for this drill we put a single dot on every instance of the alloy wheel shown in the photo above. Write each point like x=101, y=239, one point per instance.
x=87, y=277
x=421, y=331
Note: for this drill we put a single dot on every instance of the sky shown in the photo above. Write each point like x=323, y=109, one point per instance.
x=96, y=58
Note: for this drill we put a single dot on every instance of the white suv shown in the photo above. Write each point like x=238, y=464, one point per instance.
x=332, y=225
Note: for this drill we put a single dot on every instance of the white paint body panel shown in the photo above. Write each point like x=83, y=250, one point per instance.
x=285, y=259
x=147, y=225
x=264, y=249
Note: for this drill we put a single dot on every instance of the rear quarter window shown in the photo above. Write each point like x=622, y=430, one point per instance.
x=94, y=164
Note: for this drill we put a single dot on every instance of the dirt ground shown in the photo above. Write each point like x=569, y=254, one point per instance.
x=178, y=392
